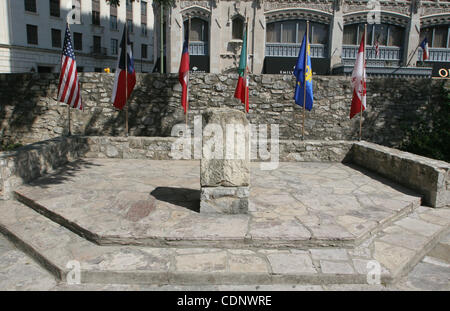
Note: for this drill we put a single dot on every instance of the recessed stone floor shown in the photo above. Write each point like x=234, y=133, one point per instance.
x=156, y=203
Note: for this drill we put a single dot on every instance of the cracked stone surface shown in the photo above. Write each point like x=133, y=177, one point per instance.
x=156, y=203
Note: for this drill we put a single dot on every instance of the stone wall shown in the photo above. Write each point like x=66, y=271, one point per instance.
x=30, y=113
x=429, y=177
x=32, y=161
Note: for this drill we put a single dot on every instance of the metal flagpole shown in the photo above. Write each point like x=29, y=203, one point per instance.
x=363, y=80
x=68, y=106
x=126, y=79
x=304, y=82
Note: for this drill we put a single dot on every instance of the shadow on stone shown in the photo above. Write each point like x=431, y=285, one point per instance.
x=187, y=198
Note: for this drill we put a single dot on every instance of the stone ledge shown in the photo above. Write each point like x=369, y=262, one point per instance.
x=31, y=161
x=429, y=177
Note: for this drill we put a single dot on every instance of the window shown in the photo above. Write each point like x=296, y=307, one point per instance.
x=293, y=31
x=129, y=5
x=384, y=34
x=56, y=38
x=144, y=29
x=98, y=69
x=130, y=25
x=80, y=68
x=97, y=44
x=440, y=36
x=95, y=18
x=78, y=41
x=54, y=8
x=238, y=28
x=350, y=34
x=113, y=22
x=32, y=34
x=143, y=8
x=144, y=51
x=114, y=45
x=199, y=30
x=30, y=6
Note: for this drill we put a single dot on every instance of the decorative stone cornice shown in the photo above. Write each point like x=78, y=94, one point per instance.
x=196, y=11
x=435, y=19
x=298, y=13
x=385, y=16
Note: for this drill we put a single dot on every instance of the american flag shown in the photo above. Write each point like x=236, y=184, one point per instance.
x=69, y=86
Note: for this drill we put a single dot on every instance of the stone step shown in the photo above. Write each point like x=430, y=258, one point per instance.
x=442, y=250
x=209, y=230
x=397, y=249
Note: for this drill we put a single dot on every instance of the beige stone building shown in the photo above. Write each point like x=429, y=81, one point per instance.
x=276, y=29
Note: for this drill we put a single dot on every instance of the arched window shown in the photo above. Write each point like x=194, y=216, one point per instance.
x=237, y=28
x=437, y=36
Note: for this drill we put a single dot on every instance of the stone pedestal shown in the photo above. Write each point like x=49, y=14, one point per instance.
x=225, y=163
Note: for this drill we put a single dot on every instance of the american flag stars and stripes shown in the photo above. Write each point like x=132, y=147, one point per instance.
x=69, y=85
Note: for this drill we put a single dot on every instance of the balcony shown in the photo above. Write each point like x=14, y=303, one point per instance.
x=98, y=51
x=292, y=50
x=198, y=48
x=436, y=55
x=389, y=56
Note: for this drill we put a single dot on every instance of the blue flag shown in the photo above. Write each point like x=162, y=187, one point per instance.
x=299, y=73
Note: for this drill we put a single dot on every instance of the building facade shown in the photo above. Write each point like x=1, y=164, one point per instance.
x=276, y=29
x=32, y=34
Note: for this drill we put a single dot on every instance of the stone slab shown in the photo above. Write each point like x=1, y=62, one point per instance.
x=224, y=200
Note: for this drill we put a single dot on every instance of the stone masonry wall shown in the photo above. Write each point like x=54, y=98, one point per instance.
x=30, y=113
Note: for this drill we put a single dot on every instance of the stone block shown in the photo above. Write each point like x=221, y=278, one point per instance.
x=226, y=157
x=224, y=200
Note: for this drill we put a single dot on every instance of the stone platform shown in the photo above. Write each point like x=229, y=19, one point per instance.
x=156, y=203
x=137, y=222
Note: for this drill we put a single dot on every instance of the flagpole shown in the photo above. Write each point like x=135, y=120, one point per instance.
x=364, y=78
x=187, y=86
x=126, y=78
x=304, y=82
x=246, y=66
x=68, y=106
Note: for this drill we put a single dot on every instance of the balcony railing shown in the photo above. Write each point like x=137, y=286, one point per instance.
x=292, y=50
x=198, y=48
x=98, y=51
x=388, y=55
x=436, y=55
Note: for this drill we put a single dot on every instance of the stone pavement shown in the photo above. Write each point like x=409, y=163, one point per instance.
x=136, y=223
x=20, y=272
x=156, y=203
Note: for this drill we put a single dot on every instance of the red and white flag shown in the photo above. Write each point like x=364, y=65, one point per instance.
x=69, y=86
x=183, y=74
x=359, y=82
x=125, y=79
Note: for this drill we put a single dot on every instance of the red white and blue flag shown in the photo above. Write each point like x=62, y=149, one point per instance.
x=69, y=86
x=183, y=74
x=426, y=52
x=125, y=79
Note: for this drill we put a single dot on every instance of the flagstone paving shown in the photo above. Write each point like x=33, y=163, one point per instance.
x=20, y=272
x=156, y=203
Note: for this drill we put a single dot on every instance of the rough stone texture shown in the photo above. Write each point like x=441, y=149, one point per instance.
x=227, y=161
x=29, y=162
x=224, y=200
x=54, y=246
x=429, y=177
x=156, y=203
x=30, y=112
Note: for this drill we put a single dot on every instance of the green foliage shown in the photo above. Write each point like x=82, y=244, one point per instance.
x=10, y=147
x=431, y=136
